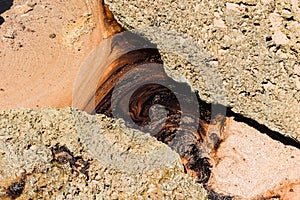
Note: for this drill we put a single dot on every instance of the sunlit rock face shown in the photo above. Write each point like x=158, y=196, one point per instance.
x=250, y=164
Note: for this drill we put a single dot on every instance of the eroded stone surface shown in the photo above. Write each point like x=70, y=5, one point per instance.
x=27, y=140
x=256, y=71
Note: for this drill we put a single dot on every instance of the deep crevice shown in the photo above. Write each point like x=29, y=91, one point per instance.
x=286, y=140
x=194, y=161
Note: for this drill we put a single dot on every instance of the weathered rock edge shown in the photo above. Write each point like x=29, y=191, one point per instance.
x=27, y=140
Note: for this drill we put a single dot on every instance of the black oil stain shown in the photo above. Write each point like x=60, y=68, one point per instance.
x=15, y=189
x=189, y=145
x=62, y=155
x=212, y=195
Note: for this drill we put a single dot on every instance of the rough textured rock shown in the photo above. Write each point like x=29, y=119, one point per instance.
x=47, y=154
x=250, y=165
x=247, y=50
x=254, y=46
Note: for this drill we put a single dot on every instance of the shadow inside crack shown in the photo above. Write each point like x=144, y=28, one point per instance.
x=136, y=82
x=286, y=140
x=4, y=6
x=280, y=137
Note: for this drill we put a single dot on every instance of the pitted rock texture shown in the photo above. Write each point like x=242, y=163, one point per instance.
x=254, y=45
x=37, y=149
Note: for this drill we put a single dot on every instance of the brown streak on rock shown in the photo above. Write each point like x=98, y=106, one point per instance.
x=199, y=142
x=16, y=187
x=62, y=155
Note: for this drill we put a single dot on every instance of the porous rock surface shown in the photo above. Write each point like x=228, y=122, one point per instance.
x=253, y=45
x=130, y=167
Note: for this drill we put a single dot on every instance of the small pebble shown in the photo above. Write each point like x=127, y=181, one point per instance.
x=266, y=1
x=235, y=7
x=52, y=35
x=280, y=38
x=11, y=34
x=297, y=69
x=219, y=23
x=31, y=4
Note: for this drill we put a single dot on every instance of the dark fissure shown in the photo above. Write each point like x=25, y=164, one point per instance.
x=148, y=100
x=140, y=92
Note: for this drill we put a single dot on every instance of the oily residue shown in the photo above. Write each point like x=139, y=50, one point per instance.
x=138, y=90
x=62, y=155
x=135, y=87
x=15, y=189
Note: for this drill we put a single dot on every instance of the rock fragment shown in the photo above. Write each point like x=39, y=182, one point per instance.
x=250, y=165
x=23, y=9
x=235, y=7
x=10, y=34
x=280, y=38
x=46, y=145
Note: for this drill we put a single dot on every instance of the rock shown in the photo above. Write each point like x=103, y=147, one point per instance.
x=235, y=7
x=47, y=153
x=264, y=169
x=280, y=38
x=250, y=27
x=10, y=34
x=219, y=23
x=23, y=9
